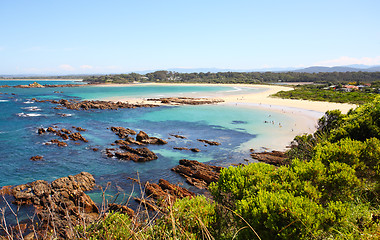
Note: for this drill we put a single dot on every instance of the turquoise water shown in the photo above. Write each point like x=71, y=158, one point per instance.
x=20, y=118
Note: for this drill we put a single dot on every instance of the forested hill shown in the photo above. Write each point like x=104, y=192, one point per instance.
x=238, y=77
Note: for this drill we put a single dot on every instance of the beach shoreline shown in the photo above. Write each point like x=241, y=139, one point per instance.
x=305, y=114
x=261, y=98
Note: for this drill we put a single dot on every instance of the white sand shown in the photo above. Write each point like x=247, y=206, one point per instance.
x=261, y=98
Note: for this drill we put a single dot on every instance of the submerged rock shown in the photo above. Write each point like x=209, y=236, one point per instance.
x=177, y=136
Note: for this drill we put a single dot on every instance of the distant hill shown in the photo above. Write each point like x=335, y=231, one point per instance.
x=318, y=69
x=313, y=69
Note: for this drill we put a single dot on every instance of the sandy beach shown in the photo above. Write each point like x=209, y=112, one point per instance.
x=260, y=99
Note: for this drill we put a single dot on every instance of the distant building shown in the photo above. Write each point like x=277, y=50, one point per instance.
x=350, y=88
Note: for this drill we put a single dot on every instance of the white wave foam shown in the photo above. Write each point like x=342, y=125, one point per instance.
x=1, y=100
x=236, y=89
x=28, y=114
x=33, y=108
x=28, y=102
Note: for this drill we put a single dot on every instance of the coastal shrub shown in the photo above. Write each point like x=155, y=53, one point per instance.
x=188, y=218
x=304, y=200
x=114, y=226
x=359, y=124
x=302, y=147
x=330, y=120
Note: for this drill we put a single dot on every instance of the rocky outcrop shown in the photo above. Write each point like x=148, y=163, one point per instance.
x=164, y=193
x=144, y=138
x=96, y=104
x=197, y=174
x=141, y=138
x=123, y=132
x=56, y=141
x=136, y=155
x=77, y=137
x=128, y=141
x=276, y=158
x=59, y=204
x=208, y=142
x=32, y=85
x=185, y=101
x=79, y=129
x=129, y=153
x=65, y=134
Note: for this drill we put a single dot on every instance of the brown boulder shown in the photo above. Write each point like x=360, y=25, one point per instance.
x=137, y=155
x=79, y=129
x=76, y=136
x=52, y=130
x=41, y=130
x=64, y=130
x=164, y=193
x=175, y=190
x=59, y=143
x=123, y=132
x=197, y=174
x=36, y=158
x=144, y=138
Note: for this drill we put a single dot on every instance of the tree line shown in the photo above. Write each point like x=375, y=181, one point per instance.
x=237, y=77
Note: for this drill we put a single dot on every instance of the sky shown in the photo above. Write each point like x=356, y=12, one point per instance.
x=121, y=36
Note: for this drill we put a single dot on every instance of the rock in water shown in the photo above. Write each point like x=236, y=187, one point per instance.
x=36, y=158
x=208, y=142
x=197, y=174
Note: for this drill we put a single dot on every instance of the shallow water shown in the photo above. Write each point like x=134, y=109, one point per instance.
x=20, y=118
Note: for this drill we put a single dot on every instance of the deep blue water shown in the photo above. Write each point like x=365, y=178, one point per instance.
x=20, y=118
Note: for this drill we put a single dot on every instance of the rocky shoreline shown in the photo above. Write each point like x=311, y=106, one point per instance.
x=63, y=202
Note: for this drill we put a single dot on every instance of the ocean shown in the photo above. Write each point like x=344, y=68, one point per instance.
x=237, y=129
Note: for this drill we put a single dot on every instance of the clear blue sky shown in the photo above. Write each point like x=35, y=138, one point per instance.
x=80, y=36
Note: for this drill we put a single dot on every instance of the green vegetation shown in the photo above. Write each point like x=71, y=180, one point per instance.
x=329, y=190
x=238, y=77
x=319, y=93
